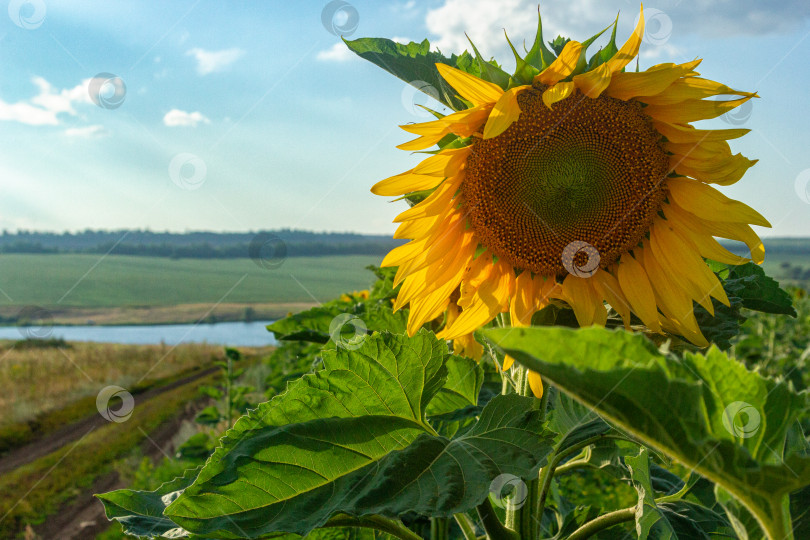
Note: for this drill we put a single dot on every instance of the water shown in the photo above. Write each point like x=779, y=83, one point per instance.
x=238, y=334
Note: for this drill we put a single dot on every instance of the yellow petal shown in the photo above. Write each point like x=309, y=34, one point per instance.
x=700, y=150
x=420, y=143
x=723, y=171
x=673, y=301
x=673, y=270
x=490, y=299
x=463, y=123
x=683, y=255
x=536, y=384
x=626, y=85
x=692, y=110
x=733, y=231
x=688, y=134
x=692, y=88
x=630, y=48
x=581, y=296
x=400, y=254
x=521, y=308
x=607, y=287
x=706, y=202
x=508, y=362
x=594, y=82
x=405, y=183
x=504, y=113
x=436, y=203
x=704, y=241
x=417, y=228
x=562, y=66
x=558, y=92
x=468, y=346
x=637, y=289
x=443, y=164
x=476, y=91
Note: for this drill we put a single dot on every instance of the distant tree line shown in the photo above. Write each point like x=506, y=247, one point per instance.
x=195, y=245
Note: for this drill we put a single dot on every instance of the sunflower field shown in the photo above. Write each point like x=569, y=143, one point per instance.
x=561, y=350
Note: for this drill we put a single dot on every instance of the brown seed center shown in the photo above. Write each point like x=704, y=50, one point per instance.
x=587, y=173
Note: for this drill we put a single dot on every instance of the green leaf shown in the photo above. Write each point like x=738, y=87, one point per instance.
x=558, y=44
x=198, y=447
x=141, y=512
x=607, y=52
x=539, y=56
x=209, y=416
x=352, y=438
x=318, y=324
x=756, y=290
x=415, y=64
x=705, y=411
x=648, y=514
x=574, y=423
x=690, y=521
x=747, y=286
x=800, y=512
x=464, y=380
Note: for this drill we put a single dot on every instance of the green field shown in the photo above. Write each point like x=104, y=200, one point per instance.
x=70, y=280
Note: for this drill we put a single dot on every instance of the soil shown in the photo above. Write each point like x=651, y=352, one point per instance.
x=84, y=517
x=67, y=434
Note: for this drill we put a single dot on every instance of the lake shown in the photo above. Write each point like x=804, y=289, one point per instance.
x=238, y=334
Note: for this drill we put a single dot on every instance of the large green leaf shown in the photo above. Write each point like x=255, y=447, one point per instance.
x=415, y=64
x=464, y=380
x=705, y=411
x=353, y=438
x=141, y=512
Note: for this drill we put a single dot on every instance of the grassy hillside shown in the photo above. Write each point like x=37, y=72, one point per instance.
x=116, y=280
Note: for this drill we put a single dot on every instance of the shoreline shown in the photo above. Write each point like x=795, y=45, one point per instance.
x=150, y=315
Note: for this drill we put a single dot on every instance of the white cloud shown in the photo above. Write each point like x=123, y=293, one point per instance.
x=212, y=61
x=44, y=108
x=338, y=52
x=95, y=130
x=176, y=117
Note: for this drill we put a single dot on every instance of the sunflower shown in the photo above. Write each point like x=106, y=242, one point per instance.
x=585, y=184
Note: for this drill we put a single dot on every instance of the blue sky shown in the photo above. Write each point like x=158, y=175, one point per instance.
x=264, y=121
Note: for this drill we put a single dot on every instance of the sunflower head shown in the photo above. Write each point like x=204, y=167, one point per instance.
x=572, y=180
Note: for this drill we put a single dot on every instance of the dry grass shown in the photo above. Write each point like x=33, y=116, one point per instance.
x=36, y=381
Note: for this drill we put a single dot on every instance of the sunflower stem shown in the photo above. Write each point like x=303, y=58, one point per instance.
x=439, y=528
x=520, y=511
x=492, y=525
x=465, y=524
